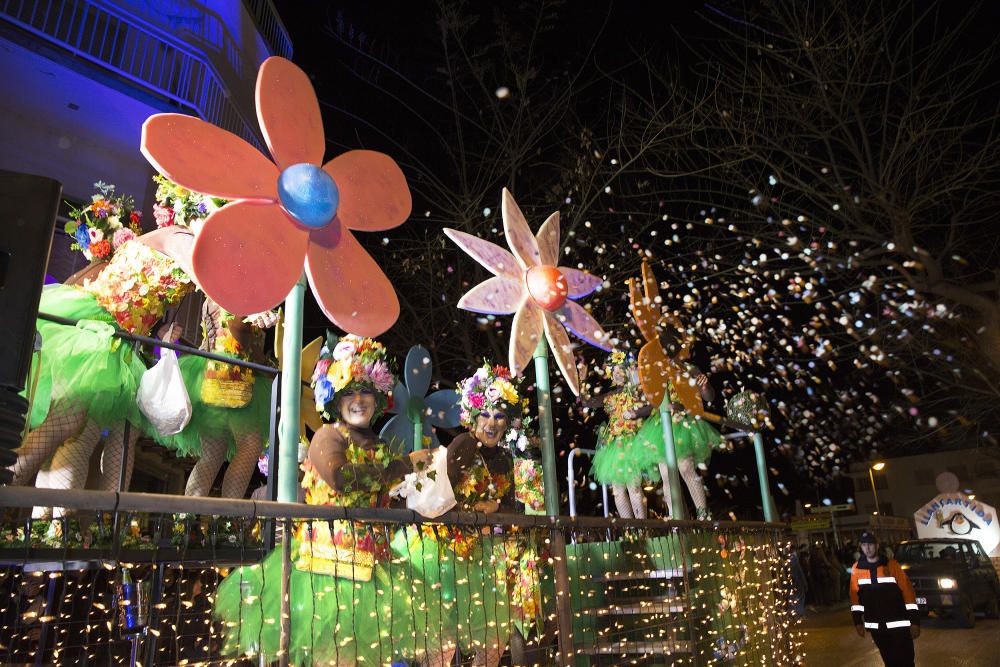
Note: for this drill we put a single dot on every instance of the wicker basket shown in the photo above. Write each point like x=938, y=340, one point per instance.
x=226, y=393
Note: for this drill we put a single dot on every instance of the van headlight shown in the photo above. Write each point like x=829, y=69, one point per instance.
x=944, y=583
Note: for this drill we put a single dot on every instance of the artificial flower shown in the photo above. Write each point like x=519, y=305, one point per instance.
x=82, y=235
x=365, y=191
x=101, y=249
x=529, y=284
x=99, y=221
x=340, y=374
x=121, y=237
x=164, y=216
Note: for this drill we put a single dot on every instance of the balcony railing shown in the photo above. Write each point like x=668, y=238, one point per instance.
x=599, y=591
x=265, y=16
x=134, y=50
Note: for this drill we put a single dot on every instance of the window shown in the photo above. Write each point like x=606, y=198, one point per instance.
x=886, y=508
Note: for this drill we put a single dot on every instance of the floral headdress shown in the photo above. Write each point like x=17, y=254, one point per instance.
x=618, y=360
x=105, y=224
x=179, y=206
x=490, y=388
x=351, y=362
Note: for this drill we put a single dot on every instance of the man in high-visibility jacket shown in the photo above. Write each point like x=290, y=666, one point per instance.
x=883, y=602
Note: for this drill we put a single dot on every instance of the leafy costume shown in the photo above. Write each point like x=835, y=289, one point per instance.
x=622, y=457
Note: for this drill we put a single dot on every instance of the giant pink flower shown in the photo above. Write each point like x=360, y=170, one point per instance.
x=529, y=284
x=250, y=253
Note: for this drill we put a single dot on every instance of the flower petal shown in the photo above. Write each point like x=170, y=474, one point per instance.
x=373, y=191
x=350, y=287
x=202, y=157
x=524, y=336
x=519, y=237
x=443, y=408
x=572, y=316
x=548, y=240
x=248, y=256
x=498, y=295
x=562, y=350
x=494, y=259
x=418, y=371
x=398, y=430
x=288, y=112
x=400, y=399
x=580, y=283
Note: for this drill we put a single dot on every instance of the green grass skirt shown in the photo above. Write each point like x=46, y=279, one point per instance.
x=210, y=421
x=692, y=437
x=625, y=460
x=85, y=366
x=415, y=603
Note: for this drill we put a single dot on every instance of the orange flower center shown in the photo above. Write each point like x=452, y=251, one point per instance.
x=547, y=286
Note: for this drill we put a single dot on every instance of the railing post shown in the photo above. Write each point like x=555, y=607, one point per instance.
x=766, y=500
x=564, y=607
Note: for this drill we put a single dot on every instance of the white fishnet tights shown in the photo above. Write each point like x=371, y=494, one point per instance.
x=238, y=474
x=696, y=487
x=630, y=501
x=61, y=425
x=111, y=458
x=68, y=467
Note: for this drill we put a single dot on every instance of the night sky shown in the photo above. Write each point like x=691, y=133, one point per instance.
x=377, y=69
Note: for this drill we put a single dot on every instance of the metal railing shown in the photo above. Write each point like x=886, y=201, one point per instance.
x=269, y=24
x=136, y=50
x=598, y=591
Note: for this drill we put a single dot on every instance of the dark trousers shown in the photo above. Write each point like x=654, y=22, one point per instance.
x=896, y=646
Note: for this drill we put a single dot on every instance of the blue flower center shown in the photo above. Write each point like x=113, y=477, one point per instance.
x=309, y=194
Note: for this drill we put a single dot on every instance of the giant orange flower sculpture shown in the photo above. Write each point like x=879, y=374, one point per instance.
x=250, y=253
x=529, y=284
x=657, y=369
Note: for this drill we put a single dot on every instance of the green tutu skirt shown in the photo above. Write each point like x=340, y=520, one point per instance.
x=458, y=600
x=692, y=437
x=85, y=367
x=333, y=620
x=210, y=421
x=625, y=460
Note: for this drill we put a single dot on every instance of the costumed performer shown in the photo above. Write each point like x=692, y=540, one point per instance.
x=93, y=376
x=230, y=405
x=351, y=602
x=622, y=460
x=694, y=440
x=481, y=470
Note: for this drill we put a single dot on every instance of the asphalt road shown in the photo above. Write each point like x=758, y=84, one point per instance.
x=831, y=642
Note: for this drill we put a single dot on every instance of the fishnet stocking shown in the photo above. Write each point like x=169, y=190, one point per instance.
x=439, y=658
x=41, y=443
x=638, y=499
x=111, y=458
x=622, y=501
x=665, y=476
x=237, y=477
x=68, y=467
x=689, y=473
x=696, y=487
x=213, y=453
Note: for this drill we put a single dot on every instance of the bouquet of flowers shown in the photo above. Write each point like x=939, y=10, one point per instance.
x=179, y=206
x=105, y=224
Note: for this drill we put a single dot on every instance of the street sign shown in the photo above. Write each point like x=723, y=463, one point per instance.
x=810, y=523
x=823, y=509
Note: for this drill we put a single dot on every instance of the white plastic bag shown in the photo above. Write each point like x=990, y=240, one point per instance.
x=434, y=496
x=162, y=396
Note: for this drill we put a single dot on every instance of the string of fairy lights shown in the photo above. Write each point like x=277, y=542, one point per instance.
x=711, y=595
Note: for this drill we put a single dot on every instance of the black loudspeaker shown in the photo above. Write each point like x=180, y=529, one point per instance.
x=28, y=207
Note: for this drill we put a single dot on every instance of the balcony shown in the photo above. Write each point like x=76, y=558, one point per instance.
x=143, y=55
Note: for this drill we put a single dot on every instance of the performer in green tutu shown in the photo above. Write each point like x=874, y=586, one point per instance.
x=622, y=460
x=90, y=376
x=352, y=602
x=694, y=440
x=230, y=405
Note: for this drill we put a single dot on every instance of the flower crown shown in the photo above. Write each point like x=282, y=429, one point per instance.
x=490, y=388
x=105, y=224
x=179, y=206
x=618, y=359
x=351, y=362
